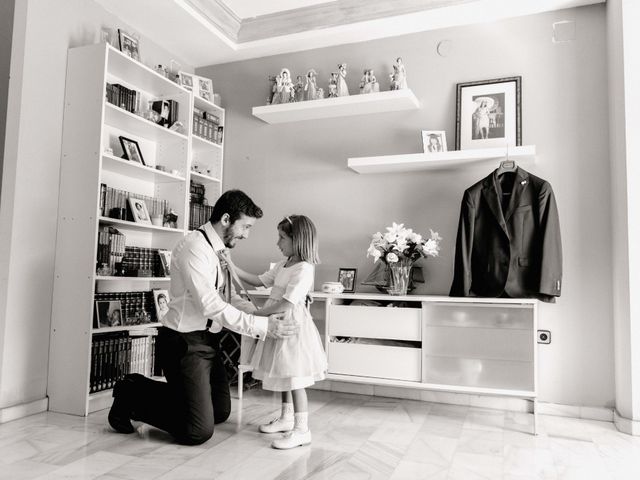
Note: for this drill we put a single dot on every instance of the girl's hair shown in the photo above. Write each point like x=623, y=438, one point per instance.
x=303, y=233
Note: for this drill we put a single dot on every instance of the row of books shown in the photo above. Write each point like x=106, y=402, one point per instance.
x=123, y=97
x=197, y=192
x=145, y=262
x=111, y=250
x=114, y=203
x=135, y=308
x=114, y=355
x=207, y=126
x=199, y=215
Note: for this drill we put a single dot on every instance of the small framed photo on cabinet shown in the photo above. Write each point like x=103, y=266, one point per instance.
x=129, y=45
x=131, y=150
x=488, y=113
x=434, y=141
x=139, y=211
x=108, y=314
x=161, y=301
x=347, y=277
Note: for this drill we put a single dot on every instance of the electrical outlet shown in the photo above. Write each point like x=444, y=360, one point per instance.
x=544, y=336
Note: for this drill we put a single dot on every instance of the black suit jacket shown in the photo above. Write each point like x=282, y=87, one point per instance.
x=516, y=252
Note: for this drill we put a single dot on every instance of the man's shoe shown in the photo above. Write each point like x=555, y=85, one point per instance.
x=292, y=439
x=277, y=425
x=120, y=413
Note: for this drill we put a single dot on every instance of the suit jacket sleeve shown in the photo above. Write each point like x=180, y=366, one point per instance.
x=461, y=286
x=551, y=265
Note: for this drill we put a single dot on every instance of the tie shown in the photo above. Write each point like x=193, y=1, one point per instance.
x=224, y=264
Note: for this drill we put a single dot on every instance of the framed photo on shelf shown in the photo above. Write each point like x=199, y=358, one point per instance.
x=161, y=301
x=185, y=80
x=139, y=211
x=347, y=277
x=488, y=113
x=165, y=261
x=205, y=88
x=434, y=141
x=108, y=314
x=131, y=150
x=129, y=45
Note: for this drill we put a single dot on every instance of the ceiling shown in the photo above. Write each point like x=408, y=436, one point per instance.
x=208, y=32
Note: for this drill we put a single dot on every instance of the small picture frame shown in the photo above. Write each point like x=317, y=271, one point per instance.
x=185, y=80
x=161, y=301
x=129, y=45
x=131, y=150
x=434, y=141
x=347, y=277
x=205, y=88
x=165, y=261
x=108, y=314
x=139, y=211
x=488, y=113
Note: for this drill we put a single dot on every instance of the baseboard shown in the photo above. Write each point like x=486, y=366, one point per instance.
x=23, y=410
x=480, y=401
x=626, y=425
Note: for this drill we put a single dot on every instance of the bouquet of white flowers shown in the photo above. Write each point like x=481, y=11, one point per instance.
x=403, y=244
x=399, y=248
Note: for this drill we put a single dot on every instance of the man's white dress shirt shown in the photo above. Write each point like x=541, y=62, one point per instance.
x=197, y=280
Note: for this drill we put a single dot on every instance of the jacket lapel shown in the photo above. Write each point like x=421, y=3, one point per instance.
x=492, y=197
x=519, y=185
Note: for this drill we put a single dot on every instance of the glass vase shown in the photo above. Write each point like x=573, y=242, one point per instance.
x=399, y=276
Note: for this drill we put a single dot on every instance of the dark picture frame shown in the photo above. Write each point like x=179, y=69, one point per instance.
x=129, y=45
x=347, y=277
x=131, y=150
x=108, y=314
x=489, y=113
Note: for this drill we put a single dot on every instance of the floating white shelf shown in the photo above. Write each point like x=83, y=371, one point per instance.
x=136, y=170
x=356, y=104
x=438, y=161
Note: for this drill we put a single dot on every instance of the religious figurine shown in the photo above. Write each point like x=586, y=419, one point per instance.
x=287, y=86
x=375, y=86
x=310, y=86
x=298, y=89
x=320, y=94
x=333, y=85
x=369, y=83
x=343, y=90
x=398, y=76
x=276, y=89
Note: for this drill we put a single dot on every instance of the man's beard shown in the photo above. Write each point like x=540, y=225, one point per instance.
x=228, y=237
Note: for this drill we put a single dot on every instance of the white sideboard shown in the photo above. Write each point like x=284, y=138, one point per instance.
x=485, y=346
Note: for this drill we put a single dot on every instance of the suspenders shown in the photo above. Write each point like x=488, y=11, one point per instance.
x=206, y=237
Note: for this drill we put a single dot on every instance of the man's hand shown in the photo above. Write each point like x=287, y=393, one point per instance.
x=279, y=327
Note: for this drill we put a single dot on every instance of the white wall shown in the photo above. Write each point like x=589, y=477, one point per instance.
x=6, y=30
x=624, y=110
x=301, y=168
x=43, y=32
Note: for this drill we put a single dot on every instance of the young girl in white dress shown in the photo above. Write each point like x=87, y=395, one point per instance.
x=289, y=365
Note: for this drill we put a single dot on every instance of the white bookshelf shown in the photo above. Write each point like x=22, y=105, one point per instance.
x=91, y=126
x=380, y=102
x=439, y=161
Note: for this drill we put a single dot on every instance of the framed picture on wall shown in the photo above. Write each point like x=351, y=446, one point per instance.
x=488, y=113
x=434, y=141
x=347, y=277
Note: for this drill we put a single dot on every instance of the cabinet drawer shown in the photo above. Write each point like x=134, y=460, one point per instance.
x=375, y=322
x=396, y=363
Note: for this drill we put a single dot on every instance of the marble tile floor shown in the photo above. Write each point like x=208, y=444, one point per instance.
x=354, y=437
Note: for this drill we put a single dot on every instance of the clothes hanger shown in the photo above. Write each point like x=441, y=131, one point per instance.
x=507, y=165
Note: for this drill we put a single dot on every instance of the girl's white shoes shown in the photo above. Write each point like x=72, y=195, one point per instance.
x=292, y=439
x=277, y=425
